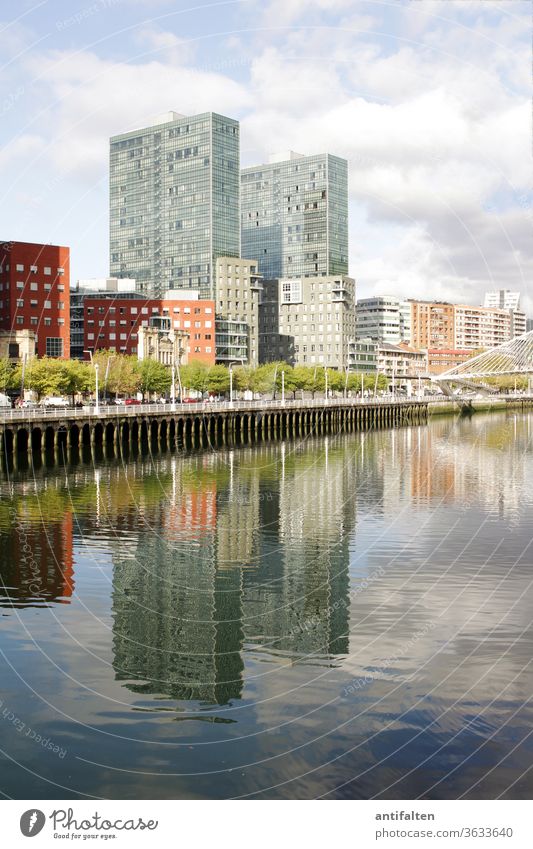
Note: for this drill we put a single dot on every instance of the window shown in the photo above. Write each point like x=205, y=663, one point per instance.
x=20, y=302
x=61, y=305
x=123, y=335
x=90, y=336
x=20, y=319
x=47, y=286
x=47, y=322
x=112, y=336
x=33, y=302
x=33, y=319
x=20, y=267
x=20, y=284
x=60, y=321
x=33, y=287
x=47, y=270
x=33, y=268
x=60, y=271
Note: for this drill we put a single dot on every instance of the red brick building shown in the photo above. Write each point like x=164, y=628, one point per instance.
x=112, y=323
x=35, y=294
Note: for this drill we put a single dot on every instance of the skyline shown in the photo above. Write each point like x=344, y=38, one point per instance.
x=412, y=97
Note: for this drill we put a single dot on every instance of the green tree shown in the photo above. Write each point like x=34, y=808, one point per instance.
x=153, y=377
x=75, y=376
x=194, y=376
x=43, y=376
x=218, y=379
x=123, y=376
x=8, y=375
x=244, y=378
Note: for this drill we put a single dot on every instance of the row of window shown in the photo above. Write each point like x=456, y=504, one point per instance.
x=34, y=269
x=34, y=321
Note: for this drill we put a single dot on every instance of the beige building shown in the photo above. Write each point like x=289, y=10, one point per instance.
x=16, y=345
x=160, y=341
x=238, y=296
x=401, y=361
x=316, y=320
x=481, y=327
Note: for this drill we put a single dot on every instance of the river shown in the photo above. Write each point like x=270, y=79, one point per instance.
x=342, y=617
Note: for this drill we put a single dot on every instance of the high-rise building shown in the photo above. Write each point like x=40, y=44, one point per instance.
x=481, y=327
x=35, y=294
x=294, y=216
x=174, y=202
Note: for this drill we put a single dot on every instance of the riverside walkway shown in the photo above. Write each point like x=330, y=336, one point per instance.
x=204, y=424
x=199, y=424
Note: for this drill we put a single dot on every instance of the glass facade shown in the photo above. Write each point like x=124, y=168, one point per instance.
x=174, y=202
x=294, y=216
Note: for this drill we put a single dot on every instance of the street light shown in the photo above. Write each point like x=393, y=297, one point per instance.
x=97, y=405
x=282, y=387
x=112, y=357
x=173, y=389
x=231, y=383
x=326, y=385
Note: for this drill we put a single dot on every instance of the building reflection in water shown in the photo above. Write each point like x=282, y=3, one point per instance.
x=216, y=555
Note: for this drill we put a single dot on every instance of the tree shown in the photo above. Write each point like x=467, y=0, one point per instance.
x=153, y=377
x=218, y=379
x=123, y=376
x=194, y=376
x=75, y=376
x=299, y=378
x=43, y=376
x=8, y=375
x=244, y=378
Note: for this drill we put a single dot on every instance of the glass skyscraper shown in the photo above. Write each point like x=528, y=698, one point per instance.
x=294, y=216
x=174, y=202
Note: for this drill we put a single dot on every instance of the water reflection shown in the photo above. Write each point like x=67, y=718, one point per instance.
x=352, y=615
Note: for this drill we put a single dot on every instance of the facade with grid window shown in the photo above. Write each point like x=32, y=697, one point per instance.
x=238, y=299
x=294, y=216
x=174, y=202
x=112, y=322
x=314, y=322
x=35, y=294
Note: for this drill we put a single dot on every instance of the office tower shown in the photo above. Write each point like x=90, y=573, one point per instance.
x=35, y=294
x=294, y=216
x=174, y=202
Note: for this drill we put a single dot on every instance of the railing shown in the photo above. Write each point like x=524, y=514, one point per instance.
x=259, y=405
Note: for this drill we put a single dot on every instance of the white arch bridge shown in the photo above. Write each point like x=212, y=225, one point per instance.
x=512, y=359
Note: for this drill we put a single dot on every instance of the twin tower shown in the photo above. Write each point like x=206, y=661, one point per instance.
x=179, y=200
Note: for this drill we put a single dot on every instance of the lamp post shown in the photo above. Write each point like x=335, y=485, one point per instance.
x=97, y=405
x=325, y=385
x=231, y=383
x=173, y=388
x=282, y=387
x=112, y=357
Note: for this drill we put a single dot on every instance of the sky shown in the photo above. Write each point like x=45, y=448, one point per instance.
x=428, y=100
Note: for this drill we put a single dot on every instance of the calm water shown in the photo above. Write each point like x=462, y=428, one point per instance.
x=347, y=617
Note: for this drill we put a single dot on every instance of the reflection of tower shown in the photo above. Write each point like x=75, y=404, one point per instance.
x=297, y=600
x=176, y=621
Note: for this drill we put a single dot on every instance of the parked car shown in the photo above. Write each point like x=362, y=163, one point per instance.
x=55, y=401
x=191, y=400
x=5, y=401
x=130, y=401
x=27, y=404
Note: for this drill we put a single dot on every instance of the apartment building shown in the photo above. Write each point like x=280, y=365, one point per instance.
x=35, y=294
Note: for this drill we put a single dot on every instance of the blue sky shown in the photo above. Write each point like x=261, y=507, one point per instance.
x=429, y=100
